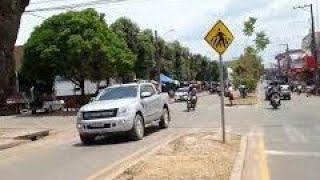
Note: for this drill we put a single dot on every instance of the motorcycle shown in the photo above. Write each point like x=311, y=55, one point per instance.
x=191, y=102
x=275, y=100
x=299, y=89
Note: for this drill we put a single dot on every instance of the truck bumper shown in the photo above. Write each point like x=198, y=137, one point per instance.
x=105, y=126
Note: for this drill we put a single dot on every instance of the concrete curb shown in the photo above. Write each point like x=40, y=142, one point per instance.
x=238, y=166
x=34, y=135
x=15, y=140
x=12, y=144
x=114, y=170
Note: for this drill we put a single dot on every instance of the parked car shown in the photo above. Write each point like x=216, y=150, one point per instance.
x=285, y=91
x=213, y=87
x=51, y=106
x=46, y=106
x=181, y=94
x=126, y=108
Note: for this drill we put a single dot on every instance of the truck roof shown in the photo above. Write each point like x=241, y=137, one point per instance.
x=129, y=84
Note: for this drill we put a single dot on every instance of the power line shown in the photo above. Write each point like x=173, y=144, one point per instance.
x=36, y=15
x=64, y=7
x=45, y=2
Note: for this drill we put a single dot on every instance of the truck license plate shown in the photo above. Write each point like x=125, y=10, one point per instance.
x=97, y=125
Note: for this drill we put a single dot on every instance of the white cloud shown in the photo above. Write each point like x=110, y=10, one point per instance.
x=191, y=19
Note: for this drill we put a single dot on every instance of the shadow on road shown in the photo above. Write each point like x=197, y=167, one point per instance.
x=117, y=138
x=271, y=108
x=191, y=110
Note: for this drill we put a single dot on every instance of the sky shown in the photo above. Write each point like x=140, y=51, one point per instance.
x=189, y=21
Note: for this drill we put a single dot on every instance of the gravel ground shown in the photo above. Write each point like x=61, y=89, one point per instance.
x=198, y=156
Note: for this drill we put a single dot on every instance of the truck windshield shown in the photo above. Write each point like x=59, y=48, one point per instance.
x=118, y=93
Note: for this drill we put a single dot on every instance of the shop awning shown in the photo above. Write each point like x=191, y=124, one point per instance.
x=165, y=79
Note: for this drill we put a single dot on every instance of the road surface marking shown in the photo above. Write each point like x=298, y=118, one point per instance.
x=288, y=153
x=263, y=161
x=259, y=96
x=294, y=134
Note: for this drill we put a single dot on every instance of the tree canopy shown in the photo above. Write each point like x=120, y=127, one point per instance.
x=80, y=46
x=248, y=68
x=77, y=46
x=175, y=60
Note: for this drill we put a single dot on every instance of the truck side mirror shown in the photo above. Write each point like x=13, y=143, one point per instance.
x=146, y=94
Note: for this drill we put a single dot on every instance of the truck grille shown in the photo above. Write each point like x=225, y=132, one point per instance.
x=99, y=114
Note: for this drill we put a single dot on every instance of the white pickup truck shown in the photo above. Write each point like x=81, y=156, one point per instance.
x=124, y=108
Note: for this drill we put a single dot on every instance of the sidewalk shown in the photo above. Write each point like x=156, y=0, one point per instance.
x=16, y=130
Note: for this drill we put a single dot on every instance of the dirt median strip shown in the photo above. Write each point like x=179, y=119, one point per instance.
x=196, y=154
x=120, y=166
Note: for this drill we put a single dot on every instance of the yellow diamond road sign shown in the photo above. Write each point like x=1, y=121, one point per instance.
x=219, y=37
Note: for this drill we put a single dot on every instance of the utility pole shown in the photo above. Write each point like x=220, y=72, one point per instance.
x=314, y=49
x=158, y=60
x=289, y=60
x=313, y=42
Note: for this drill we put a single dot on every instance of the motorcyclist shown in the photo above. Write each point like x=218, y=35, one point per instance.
x=274, y=87
x=192, y=91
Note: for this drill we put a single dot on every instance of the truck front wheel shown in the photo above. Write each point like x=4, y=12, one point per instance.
x=137, y=131
x=165, y=119
x=87, y=139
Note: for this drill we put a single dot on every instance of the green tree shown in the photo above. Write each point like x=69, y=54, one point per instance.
x=145, y=54
x=261, y=41
x=178, y=64
x=248, y=68
x=249, y=26
x=77, y=46
x=127, y=30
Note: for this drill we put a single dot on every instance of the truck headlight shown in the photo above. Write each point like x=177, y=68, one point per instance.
x=123, y=111
x=80, y=115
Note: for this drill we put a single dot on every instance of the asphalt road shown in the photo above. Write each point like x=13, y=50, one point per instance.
x=291, y=135
x=292, y=138
x=67, y=158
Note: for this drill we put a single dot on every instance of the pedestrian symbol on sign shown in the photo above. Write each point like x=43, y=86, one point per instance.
x=219, y=37
x=220, y=40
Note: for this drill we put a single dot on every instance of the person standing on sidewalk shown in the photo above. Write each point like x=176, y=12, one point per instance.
x=230, y=95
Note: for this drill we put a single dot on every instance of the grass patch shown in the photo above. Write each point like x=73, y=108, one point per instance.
x=249, y=100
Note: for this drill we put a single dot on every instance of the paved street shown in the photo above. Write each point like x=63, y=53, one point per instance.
x=291, y=137
x=67, y=158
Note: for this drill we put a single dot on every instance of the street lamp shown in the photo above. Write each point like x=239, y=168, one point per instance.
x=168, y=32
x=313, y=42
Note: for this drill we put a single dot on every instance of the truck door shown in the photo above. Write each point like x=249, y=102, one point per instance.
x=155, y=102
x=147, y=103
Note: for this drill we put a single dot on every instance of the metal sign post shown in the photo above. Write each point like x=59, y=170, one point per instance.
x=220, y=38
x=222, y=99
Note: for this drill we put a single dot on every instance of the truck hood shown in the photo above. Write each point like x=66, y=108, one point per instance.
x=108, y=104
